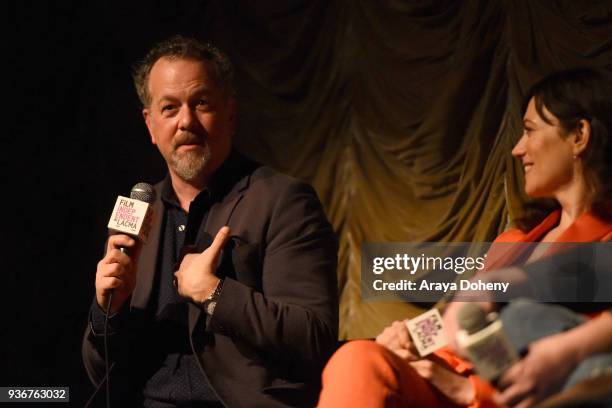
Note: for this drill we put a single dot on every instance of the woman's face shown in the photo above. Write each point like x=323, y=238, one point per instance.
x=546, y=154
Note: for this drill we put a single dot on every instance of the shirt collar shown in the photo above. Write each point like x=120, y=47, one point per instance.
x=218, y=186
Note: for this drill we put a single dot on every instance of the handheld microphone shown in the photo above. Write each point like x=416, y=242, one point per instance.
x=131, y=216
x=483, y=340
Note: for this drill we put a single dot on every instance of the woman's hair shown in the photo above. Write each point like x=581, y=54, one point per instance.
x=572, y=96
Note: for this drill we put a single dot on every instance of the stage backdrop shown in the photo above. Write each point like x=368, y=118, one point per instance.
x=402, y=114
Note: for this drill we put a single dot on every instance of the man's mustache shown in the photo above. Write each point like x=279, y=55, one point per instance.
x=188, y=138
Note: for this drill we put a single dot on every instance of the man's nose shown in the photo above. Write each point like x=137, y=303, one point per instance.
x=186, y=118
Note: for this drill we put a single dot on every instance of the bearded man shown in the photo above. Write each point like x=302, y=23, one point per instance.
x=249, y=316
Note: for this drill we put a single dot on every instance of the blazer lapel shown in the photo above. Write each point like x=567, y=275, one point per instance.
x=587, y=228
x=504, y=254
x=219, y=216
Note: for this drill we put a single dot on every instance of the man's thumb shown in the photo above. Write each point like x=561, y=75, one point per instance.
x=220, y=240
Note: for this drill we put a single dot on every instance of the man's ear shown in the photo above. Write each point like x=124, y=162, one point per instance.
x=146, y=114
x=581, y=137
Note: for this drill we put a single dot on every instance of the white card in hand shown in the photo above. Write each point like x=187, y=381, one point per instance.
x=427, y=332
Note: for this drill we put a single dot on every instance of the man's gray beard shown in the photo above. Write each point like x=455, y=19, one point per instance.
x=189, y=165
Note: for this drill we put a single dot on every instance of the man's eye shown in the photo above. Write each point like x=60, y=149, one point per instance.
x=166, y=108
x=202, y=103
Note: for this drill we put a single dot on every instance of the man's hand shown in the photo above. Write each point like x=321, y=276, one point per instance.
x=541, y=373
x=397, y=339
x=116, y=272
x=195, y=278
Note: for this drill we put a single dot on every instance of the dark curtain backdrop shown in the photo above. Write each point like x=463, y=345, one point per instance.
x=402, y=114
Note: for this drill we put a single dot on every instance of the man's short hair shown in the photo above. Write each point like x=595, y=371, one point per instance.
x=179, y=47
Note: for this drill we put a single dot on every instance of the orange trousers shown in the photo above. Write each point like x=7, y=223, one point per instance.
x=364, y=374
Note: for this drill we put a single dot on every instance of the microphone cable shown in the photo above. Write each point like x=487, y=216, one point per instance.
x=106, y=316
x=146, y=193
x=106, y=366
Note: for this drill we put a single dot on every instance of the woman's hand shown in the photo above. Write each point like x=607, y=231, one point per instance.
x=456, y=387
x=397, y=339
x=542, y=372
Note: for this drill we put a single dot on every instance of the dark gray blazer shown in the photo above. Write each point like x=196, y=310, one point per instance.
x=276, y=320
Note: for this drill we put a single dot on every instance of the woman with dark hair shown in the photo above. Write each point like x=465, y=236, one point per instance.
x=570, y=104
x=565, y=151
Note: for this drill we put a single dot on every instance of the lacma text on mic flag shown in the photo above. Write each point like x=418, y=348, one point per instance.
x=131, y=217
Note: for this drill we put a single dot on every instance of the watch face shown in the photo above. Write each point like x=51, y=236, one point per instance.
x=210, y=307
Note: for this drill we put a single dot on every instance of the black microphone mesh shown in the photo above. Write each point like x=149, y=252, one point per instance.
x=471, y=318
x=143, y=192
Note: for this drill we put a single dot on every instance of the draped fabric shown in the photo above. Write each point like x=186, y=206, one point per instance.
x=402, y=114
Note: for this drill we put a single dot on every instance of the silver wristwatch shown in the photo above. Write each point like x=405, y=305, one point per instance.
x=210, y=302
